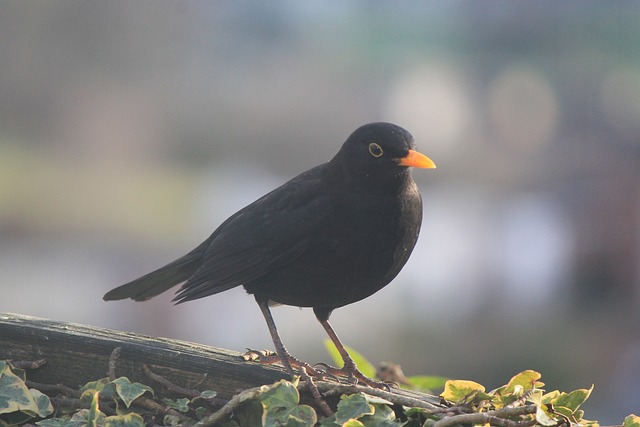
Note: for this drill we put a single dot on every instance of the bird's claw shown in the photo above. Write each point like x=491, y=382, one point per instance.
x=352, y=375
x=262, y=356
x=269, y=357
x=348, y=373
x=307, y=372
x=326, y=371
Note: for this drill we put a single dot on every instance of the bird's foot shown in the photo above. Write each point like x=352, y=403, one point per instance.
x=269, y=357
x=307, y=372
x=263, y=356
x=353, y=375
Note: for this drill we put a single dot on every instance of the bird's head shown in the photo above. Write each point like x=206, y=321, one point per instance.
x=380, y=149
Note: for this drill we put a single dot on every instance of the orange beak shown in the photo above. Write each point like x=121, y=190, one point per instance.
x=417, y=160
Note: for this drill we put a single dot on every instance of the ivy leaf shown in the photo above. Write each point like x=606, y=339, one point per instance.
x=82, y=418
x=568, y=404
x=296, y=416
x=458, y=391
x=353, y=407
x=103, y=385
x=427, y=383
x=573, y=400
x=201, y=411
x=280, y=403
x=58, y=422
x=18, y=404
x=352, y=423
x=250, y=413
x=208, y=394
x=14, y=394
x=97, y=385
x=631, y=421
x=363, y=364
x=20, y=373
x=328, y=421
x=180, y=405
x=544, y=418
x=128, y=420
x=171, y=420
x=282, y=394
x=382, y=417
x=550, y=397
x=527, y=380
x=44, y=408
x=129, y=391
x=91, y=417
x=95, y=416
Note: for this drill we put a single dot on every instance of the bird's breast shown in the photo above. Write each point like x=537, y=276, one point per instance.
x=362, y=241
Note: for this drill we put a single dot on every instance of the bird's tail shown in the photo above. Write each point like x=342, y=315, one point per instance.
x=160, y=280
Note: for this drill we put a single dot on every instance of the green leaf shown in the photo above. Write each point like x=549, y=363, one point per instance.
x=334, y=353
x=20, y=373
x=18, y=404
x=201, y=411
x=171, y=420
x=128, y=420
x=129, y=391
x=280, y=403
x=59, y=422
x=361, y=362
x=43, y=403
x=94, y=415
x=568, y=404
x=103, y=385
x=298, y=416
x=353, y=406
x=550, y=397
x=352, y=423
x=328, y=421
x=97, y=385
x=523, y=382
x=208, y=394
x=14, y=394
x=544, y=418
x=250, y=413
x=382, y=417
x=427, y=383
x=87, y=418
x=573, y=400
x=460, y=390
x=14, y=419
x=81, y=418
x=282, y=394
x=631, y=421
x=383, y=412
x=180, y=405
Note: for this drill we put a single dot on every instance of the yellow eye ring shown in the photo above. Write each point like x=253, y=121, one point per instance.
x=375, y=150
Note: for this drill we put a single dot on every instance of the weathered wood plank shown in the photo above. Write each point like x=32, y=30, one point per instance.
x=77, y=354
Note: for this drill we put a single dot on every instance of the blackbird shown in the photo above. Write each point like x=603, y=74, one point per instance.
x=329, y=237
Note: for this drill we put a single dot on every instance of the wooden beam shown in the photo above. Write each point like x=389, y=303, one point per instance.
x=77, y=354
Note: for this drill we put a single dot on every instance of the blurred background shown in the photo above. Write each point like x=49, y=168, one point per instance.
x=129, y=130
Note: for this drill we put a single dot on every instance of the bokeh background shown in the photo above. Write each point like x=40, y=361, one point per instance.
x=130, y=129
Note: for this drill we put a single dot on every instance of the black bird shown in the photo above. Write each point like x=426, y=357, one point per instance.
x=329, y=237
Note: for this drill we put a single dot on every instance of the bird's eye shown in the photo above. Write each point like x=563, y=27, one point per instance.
x=375, y=150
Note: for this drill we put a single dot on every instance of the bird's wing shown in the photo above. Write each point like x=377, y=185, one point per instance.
x=268, y=234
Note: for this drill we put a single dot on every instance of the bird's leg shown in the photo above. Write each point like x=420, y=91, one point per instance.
x=281, y=350
x=283, y=355
x=349, y=370
x=306, y=370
